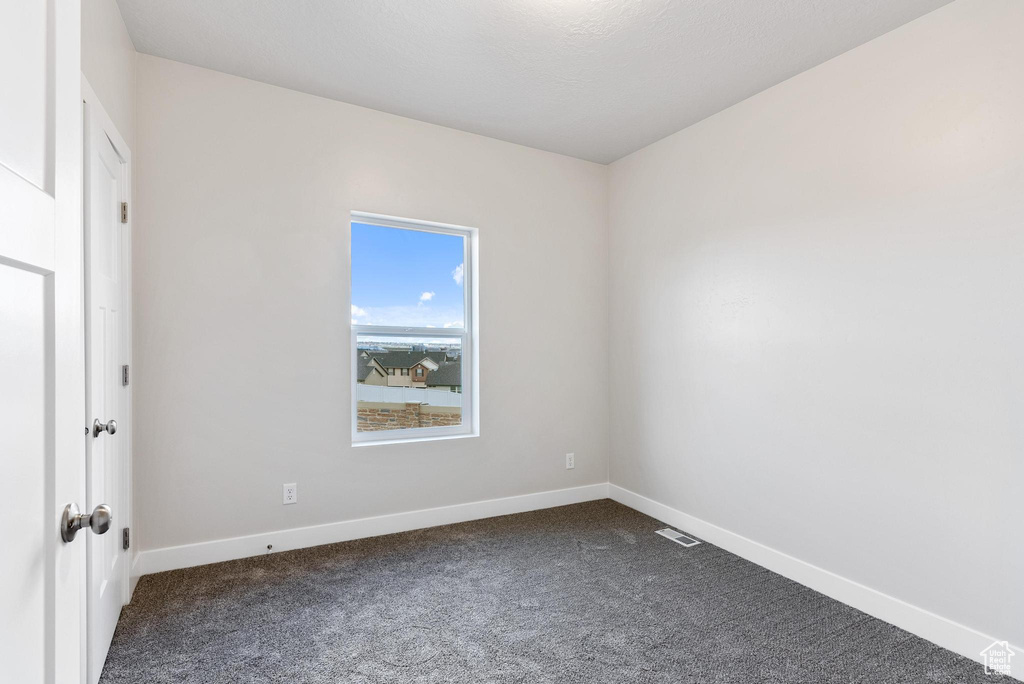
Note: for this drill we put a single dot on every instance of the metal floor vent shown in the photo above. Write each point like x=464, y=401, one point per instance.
x=678, y=537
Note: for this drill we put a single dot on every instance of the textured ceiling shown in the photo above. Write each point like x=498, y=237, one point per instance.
x=595, y=79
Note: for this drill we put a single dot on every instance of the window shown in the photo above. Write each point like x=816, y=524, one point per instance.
x=413, y=305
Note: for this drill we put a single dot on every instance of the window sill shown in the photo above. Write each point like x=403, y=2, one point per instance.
x=409, y=440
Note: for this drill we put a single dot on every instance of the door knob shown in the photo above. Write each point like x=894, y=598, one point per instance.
x=110, y=427
x=98, y=521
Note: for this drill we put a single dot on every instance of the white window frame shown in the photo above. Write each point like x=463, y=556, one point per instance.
x=468, y=335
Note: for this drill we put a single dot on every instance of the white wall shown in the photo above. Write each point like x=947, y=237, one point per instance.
x=108, y=62
x=834, y=270
x=241, y=308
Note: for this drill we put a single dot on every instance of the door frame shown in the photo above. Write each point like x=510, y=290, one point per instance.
x=94, y=112
x=67, y=638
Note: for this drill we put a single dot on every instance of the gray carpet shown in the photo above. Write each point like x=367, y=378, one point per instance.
x=584, y=593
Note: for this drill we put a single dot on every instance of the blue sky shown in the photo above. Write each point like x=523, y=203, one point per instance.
x=406, y=277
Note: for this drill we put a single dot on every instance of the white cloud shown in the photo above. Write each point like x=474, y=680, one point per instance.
x=457, y=274
x=427, y=296
x=356, y=311
x=355, y=322
x=453, y=324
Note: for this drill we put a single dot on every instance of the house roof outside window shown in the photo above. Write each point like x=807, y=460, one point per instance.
x=447, y=374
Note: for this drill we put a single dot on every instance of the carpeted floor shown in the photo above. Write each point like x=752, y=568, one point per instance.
x=585, y=593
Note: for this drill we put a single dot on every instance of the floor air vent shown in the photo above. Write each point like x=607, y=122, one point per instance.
x=678, y=537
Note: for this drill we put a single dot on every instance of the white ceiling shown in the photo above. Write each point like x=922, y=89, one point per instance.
x=595, y=79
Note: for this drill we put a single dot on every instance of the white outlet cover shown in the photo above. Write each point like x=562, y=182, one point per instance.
x=290, y=494
x=570, y=461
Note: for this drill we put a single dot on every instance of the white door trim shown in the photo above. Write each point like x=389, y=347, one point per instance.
x=67, y=665
x=94, y=108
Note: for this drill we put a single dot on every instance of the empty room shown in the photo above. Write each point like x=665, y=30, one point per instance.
x=512, y=342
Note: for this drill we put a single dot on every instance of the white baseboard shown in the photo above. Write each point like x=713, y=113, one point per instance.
x=935, y=628
x=951, y=635
x=133, y=575
x=189, y=555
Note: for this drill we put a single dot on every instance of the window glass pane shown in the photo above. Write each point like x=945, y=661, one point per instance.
x=406, y=277
x=389, y=397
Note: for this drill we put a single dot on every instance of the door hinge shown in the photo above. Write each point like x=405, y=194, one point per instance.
x=124, y=375
x=124, y=212
x=126, y=538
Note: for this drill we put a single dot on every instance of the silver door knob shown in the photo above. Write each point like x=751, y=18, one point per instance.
x=98, y=521
x=110, y=427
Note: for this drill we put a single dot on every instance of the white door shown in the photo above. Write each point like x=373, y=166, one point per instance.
x=106, y=348
x=23, y=451
x=41, y=375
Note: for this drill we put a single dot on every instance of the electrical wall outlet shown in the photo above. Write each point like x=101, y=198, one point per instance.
x=570, y=461
x=291, y=494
